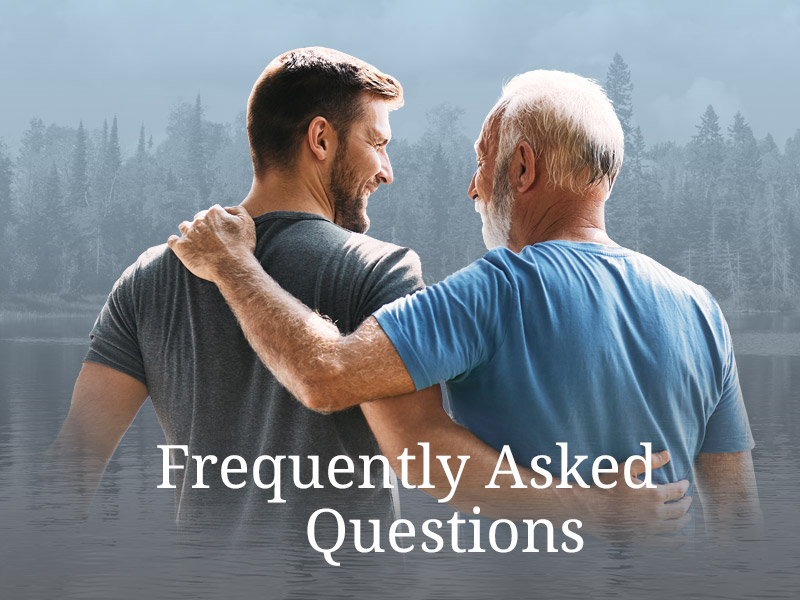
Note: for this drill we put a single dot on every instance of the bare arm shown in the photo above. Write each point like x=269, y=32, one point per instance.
x=402, y=422
x=327, y=371
x=727, y=486
x=104, y=404
x=323, y=369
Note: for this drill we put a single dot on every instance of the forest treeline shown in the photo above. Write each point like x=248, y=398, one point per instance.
x=722, y=208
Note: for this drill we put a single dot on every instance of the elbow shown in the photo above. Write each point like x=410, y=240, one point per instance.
x=315, y=400
x=321, y=393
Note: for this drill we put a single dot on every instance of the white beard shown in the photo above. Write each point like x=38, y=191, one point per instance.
x=496, y=217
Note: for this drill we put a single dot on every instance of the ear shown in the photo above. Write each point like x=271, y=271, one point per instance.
x=522, y=169
x=321, y=138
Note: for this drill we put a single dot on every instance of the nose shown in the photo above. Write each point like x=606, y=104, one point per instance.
x=385, y=175
x=472, y=191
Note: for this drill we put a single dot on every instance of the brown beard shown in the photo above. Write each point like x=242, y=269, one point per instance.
x=348, y=197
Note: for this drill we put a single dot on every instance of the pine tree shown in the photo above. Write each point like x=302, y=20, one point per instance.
x=33, y=139
x=113, y=155
x=79, y=176
x=620, y=91
x=700, y=197
x=434, y=224
x=85, y=241
x=51, y=240
x=791, y=174
x=103, y=146
x=52, y=190
x=772, y=247
x=197, y=159
x=6, y=177
x=623, y=209
x=709, y=146
x=741, y=183
x=141, y=148
x=641, y=189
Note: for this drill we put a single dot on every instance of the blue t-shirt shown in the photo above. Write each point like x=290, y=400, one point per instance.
x=594, y=345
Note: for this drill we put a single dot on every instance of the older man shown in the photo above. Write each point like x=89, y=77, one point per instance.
x=556, y=335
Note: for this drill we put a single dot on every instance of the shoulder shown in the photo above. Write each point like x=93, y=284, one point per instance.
x=379, y=272
x=494, y=275
x=676, y=283
x=289, y=236
x=696, y=304
x=153, y=264
x=154, y=257
x=501, y=265
x=376, y=254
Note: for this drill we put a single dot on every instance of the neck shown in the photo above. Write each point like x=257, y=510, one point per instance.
x=559, y=216
x=288, y=191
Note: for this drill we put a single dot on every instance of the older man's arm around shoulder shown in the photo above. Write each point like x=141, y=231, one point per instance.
x=305, y=352
x=402, y=423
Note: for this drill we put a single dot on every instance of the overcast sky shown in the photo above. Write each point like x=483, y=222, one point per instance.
x=65, y=60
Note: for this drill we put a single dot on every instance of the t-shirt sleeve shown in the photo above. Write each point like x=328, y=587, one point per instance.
x=396, y=274
x=728, y=429
x=114, y=341
x=450, y=328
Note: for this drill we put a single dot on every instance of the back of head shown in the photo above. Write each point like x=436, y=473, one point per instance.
x=569, y=122
x=300, y=85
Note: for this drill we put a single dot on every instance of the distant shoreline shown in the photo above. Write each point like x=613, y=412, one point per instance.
x=32, y=305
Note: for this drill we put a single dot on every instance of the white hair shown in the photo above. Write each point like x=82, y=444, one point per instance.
x=569, y=123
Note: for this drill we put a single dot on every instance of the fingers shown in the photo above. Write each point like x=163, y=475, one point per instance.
x=237, y=211
x=637, y=467
x=207, y=215
x=212, y=216
x=676, y=510
x=672, y=491
x=658, y=460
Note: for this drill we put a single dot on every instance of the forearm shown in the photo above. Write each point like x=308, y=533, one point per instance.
x=400, y=424
x=510, y=500
x=78, y=459
x=403, y=422
x=727, y=486
x=104, y=403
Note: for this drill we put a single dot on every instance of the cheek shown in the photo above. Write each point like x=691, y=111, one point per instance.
x=484, y=190
x=375, y=164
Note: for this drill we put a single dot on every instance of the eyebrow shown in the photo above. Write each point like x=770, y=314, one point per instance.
x=379, y=137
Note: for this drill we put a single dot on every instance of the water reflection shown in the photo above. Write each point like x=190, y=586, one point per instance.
x=130, y=548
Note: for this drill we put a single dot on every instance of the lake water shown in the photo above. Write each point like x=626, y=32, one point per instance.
x=129, y=548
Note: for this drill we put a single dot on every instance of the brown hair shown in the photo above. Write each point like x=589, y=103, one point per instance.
x=300, y=85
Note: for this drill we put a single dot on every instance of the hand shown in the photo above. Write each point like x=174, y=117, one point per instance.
x=625, y=513
x=215, y=241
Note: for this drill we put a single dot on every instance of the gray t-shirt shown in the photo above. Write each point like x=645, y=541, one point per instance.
x=175, y=333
